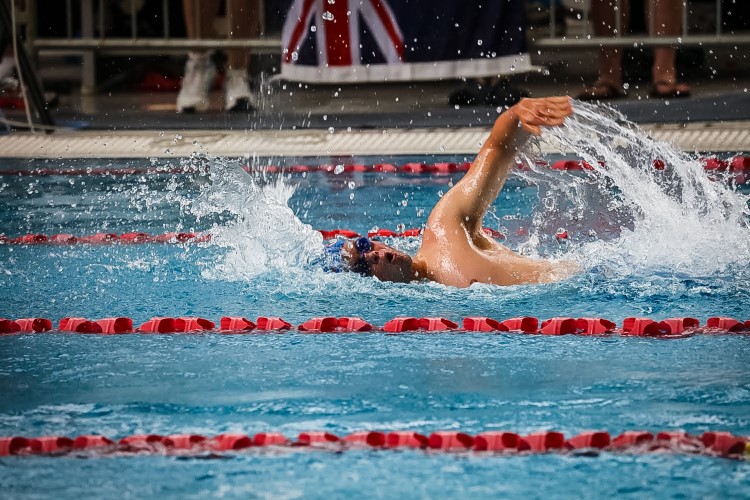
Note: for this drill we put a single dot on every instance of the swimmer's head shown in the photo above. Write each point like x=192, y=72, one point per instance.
x=372, y=258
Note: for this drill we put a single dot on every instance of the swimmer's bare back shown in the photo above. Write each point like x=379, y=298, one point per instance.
x=455, y=250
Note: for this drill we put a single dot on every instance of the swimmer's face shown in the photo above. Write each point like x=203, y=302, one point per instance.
x=373, y=258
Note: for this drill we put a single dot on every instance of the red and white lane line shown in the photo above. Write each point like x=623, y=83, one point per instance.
x=639, y=327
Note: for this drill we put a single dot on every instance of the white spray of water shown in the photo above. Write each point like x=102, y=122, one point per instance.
x=641, y=220
x=258, y=229
x=676, y=219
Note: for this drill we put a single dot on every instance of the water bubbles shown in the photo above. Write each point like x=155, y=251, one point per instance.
x=338, y=169
x=351, y=196
x=325, y=117
x=295, y=56
x=442, y=148
x=479, y=42
x=351, y=184
x=328, y=16
x=313, y=28
x=331, y=130
x=177, y=138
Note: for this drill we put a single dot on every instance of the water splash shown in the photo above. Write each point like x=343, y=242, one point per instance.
x=252, y=221
x=675, y=220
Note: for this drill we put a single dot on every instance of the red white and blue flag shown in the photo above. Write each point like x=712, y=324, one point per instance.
x=398, y=40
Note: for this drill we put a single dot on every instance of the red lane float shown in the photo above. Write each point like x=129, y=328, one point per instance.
x=316, y=439
x=88, y=442
x=115, y=325
x=236, y=324
x=145, y=443
x=483, y=324
x=525, y=324
x=449, y=440
x=408, y=324
x=546, y=441
x=500, y=442
x=186, y=441
x=590, y=440
x=632, y=438
x=226, y=442
x=54, y=444
x=272, y=323
x=18, y=445
x=9, y=326
x=406, y=439
x=366, y=438
x=79, y=325
x=332, y=324
x=649, y=327
x=34, y=324
x=270, y=439
x=721, y=444
x=176, y=325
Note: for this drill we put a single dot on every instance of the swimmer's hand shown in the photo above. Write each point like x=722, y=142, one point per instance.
x=532, y=114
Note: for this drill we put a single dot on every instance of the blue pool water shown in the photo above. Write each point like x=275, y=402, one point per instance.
x=259, y=263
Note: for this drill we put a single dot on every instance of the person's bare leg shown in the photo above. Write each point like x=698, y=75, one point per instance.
x=666, y=21
x=242, y=22
x=199, y=17
x=199, y=70
x=604, y=18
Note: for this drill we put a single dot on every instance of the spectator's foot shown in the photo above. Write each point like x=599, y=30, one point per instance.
x=669, y=89
x=237, y=92
x=470, y=93
x=601, y=90
x=199, y=76
x=504, y=94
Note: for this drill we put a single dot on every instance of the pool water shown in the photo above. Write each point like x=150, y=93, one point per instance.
x=261, y=261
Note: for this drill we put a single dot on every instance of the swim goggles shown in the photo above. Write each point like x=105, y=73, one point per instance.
x=363, y=245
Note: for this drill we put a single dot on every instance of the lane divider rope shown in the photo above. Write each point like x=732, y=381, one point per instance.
x=135, y=238
x=718, y=444
x=738, y=166
x=634, y=326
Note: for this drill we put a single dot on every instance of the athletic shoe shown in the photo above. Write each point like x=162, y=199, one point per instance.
x=237, y=91
x=199, y=76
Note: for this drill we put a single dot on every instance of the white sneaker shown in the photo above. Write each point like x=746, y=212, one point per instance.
x=199, y=76
x=237, y=91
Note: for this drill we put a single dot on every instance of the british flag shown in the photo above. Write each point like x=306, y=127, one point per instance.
x=337, y=30
x=377, y=40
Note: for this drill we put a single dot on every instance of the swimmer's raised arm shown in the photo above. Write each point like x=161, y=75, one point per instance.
x=473, y=195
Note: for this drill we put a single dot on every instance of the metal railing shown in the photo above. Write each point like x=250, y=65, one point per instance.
x=719, y=37
x=93, y=38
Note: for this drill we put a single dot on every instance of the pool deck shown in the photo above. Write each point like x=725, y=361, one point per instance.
x=341, y=120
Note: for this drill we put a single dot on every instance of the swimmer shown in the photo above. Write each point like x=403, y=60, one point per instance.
x=455, y=250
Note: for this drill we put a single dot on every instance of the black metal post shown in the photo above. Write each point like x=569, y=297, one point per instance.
x=29, y=76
